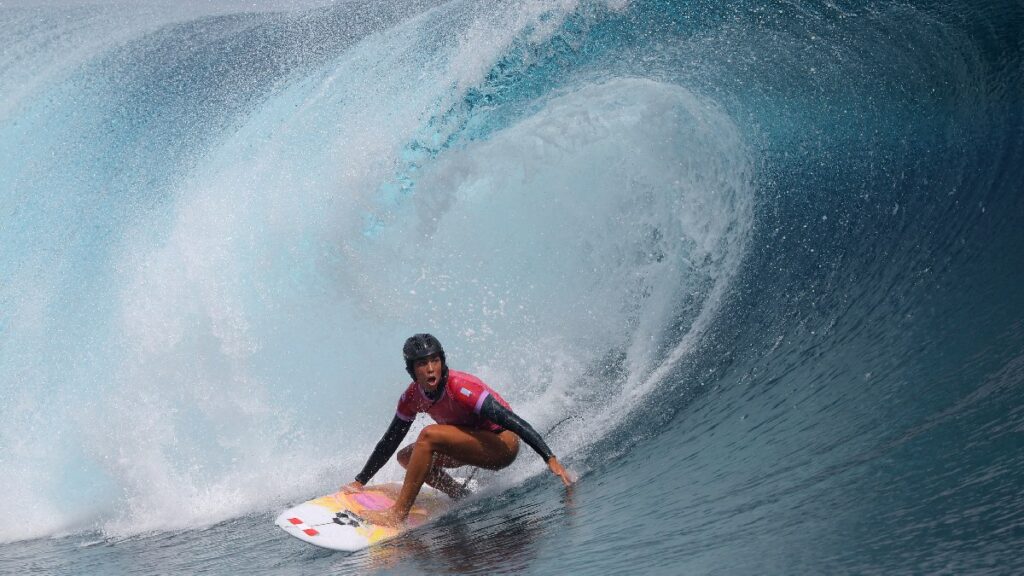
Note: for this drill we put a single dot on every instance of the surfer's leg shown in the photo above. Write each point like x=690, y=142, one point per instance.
x=437, y=477
x=453, y=444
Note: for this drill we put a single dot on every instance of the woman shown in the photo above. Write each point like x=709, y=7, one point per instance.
x=475, y=427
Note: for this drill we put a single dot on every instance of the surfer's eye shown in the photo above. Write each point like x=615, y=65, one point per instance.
x=426, y=361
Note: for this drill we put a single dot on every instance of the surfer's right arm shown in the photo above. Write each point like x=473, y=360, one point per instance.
x=382, y=453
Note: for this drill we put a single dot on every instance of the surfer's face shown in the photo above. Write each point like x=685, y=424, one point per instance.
x=427, y=372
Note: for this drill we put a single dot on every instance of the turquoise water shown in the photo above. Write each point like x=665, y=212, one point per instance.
x=754, y=268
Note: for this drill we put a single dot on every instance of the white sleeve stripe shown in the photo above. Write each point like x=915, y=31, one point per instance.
x=480, y=401
x=403, y=417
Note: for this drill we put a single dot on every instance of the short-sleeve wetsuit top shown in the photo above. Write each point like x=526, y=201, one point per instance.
x=459, y=403
x=463, y=402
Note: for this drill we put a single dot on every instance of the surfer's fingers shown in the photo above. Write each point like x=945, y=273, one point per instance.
x=351, y=487
x=560, y=471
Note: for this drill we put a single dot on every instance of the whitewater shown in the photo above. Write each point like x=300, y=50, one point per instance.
x=753, y=269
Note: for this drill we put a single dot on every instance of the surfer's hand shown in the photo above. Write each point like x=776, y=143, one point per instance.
x=354, y=486
x=558, y=470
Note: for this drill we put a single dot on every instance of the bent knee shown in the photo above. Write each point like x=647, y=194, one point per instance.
x=403, y=456
x=430, y=435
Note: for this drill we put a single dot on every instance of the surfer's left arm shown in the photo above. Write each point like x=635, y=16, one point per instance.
x=382, y=452
x=509, y=420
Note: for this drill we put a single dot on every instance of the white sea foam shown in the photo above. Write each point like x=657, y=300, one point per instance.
x=593, y=231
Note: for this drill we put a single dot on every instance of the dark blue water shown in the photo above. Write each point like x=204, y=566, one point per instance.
x=755, y=268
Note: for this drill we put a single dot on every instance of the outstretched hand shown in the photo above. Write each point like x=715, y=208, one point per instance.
x=354, y=486
x=558, y=470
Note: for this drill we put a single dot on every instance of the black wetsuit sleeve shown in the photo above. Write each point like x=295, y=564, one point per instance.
x=508, y=420
x=385, y=448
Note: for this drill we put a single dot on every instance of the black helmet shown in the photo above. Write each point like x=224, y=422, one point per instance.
x=421, y=346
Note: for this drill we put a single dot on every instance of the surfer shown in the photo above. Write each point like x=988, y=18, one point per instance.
x=475, y=427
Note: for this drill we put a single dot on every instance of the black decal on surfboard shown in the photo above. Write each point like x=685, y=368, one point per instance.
x=346, y=518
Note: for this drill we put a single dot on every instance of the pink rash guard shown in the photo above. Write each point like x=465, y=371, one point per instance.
x=459, y=403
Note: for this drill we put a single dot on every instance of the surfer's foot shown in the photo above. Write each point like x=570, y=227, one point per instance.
x=386, y=517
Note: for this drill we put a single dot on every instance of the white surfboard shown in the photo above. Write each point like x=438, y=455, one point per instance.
x=334, y=521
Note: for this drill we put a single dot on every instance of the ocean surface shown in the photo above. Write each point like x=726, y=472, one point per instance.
x=754, y=268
